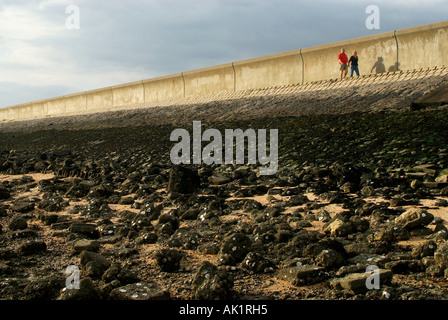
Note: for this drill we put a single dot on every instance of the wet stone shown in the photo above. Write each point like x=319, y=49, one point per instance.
x=31, y=247
x=4, y=193
x=140, y=291
x=330, y=258
x=236, y=245
x=414, y=218
x=405, y=266
x=118, y=273
x=85, y=244
x=183, y=180
x=212, y=283
x=257, y=263
x=87, y=291
x=17, y=223
x=441, y=255
x=168, y=259
x=355, y=283
x=88, y=230
x=184, y=239
x=93, y=264
x=302, y=275
x=22, y=206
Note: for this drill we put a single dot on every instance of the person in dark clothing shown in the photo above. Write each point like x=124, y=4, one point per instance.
x=353, y=63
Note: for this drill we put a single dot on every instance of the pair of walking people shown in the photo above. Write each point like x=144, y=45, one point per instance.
x=344, y=63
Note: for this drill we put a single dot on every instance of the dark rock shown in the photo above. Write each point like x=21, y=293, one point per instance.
x=116, y=272
x=302, y=275
x=298, y=200
x=17, y=223
x=85, y=229
x=441, y=255
x=257, y=263
x=169, y=218
x=86, y=291
x=4, y=193
x=22, y=206
x=49, y=219
x=405, y=266
x=236, y=245
x=209, y=248
x=46, y=288
x=184, y=239
x=22, y=234
x=339, y=228
x=87, y=245
x=330, y=259
x=103, y=190
x=52, y=204
x=414, y=218
x=354, y=249
x=219, y=180
x=212, y=283
x=168, y=259
x=147, y=238
x=93, y=264
x=314, y=249
x=183, y=180
x=31, y=247
x=323, y=215
x=355, y=283
x=140, y=291
x=190, y=214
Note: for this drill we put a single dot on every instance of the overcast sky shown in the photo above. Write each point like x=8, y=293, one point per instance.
x=121, y=41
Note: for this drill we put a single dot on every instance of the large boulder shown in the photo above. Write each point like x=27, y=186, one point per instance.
x=414, y=218
x=441, y=255
x=183, y=180
x=212, y=283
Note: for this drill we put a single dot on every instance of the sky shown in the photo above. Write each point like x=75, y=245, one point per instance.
x=50, y=48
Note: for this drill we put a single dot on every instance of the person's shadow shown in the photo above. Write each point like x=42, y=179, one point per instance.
x=379, y=66
x=395, y=67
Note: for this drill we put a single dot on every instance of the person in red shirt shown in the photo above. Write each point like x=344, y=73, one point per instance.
x=343, y=61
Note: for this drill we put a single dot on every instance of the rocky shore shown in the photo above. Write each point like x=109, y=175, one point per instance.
x=354, y=189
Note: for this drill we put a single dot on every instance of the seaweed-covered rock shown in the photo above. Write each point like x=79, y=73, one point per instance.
x=212, y=283
x=168, y=259
x=236, y=246
x=414, y=218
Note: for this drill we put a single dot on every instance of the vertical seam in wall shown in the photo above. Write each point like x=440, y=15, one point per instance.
x=398, y=50
x=183, y=80
x=234, y=77
x=303, y=66
x=144, y=93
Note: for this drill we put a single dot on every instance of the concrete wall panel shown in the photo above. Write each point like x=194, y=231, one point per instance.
x=76, y=103
x=164, y=88
x=377, y=54
x=56, y=106
x=128, y=94
x=206, y=81
x=423, y=47
x=279, y=69
x=38, y=110
x=99, y=100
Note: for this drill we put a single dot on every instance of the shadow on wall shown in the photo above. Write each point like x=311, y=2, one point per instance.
x=379, y=66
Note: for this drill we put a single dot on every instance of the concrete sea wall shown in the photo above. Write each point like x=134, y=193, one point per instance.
x=408, y=49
